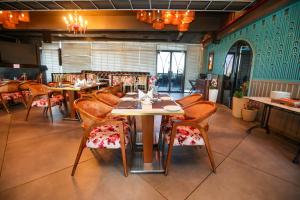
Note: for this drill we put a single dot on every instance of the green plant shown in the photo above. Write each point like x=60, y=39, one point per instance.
x=238, y=93
x=242, y=91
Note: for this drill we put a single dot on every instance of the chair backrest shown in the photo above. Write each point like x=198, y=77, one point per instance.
x=91, y=110
x=10, y=86
x=24, y=85
x=107, y=98
x=188, y=100
x=200, y=111
x=38, y=89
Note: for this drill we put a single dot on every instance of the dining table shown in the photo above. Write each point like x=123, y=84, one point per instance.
x=144, y=160
x=70, y=93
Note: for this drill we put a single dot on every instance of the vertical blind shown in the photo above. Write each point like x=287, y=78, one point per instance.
x=116, y=56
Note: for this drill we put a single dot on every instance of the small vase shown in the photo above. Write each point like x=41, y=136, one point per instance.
x=213, y=95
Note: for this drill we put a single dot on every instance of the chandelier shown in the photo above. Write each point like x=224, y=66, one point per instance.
x=159, y=19
x=9, y=19
x=75, y=23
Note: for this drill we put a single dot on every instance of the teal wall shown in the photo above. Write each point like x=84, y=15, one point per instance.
x=275, y=41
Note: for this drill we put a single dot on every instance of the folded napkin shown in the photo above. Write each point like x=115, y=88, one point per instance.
x=142, y=95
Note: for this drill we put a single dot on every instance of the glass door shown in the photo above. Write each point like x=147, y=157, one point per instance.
x=170, y=71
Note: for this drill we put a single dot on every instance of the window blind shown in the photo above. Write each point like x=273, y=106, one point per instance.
x=49, y=57
x=124, y=56
x=76, y=57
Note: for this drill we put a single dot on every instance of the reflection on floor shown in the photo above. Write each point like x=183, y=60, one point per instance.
x=38, y=156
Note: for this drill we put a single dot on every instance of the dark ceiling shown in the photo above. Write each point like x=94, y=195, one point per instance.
x=46, y=19
x=198, y=5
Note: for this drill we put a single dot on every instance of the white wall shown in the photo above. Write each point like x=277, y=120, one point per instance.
x=117, y=56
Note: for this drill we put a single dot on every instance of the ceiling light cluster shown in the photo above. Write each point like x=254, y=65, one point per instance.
x=75, y=23
x=159, y=19
x=9, y=19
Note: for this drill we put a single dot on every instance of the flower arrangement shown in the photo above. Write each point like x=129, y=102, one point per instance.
x=213, y=84
x=152, y=81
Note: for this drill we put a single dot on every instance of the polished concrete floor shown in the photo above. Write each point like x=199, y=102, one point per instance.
x=36, y=159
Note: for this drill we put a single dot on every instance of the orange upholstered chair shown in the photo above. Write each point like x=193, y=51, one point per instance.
x=191, y=131
x=101, y=131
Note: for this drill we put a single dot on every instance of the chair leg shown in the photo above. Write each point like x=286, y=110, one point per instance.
x=208, y=149
x=29, y=107
x=123, y=151
x=169, y=156
x=50, y=110
x=81, y=147
x=4, y=104
x=23, y=100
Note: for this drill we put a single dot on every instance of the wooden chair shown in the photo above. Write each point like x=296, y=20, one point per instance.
x=100, y=130
x=191, y=131
x=23, y=87
x=188, y=100
x=41, y=96
x=107, y=98
x=113, y=100
x=10, y=91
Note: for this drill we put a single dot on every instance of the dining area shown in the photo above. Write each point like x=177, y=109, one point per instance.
x=158, y=100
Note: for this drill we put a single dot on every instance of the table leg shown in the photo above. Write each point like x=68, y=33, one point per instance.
x=264, y=120
x=148, y=127
x=72, y=111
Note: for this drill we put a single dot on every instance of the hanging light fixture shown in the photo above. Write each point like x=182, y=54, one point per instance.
x=159, y=19
x=75, y=23
x=9, y=19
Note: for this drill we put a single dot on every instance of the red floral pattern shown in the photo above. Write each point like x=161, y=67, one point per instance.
x=106, y=137
x=12, y=96
x=43, y=102
x=186, y=135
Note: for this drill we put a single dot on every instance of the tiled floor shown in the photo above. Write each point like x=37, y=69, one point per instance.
x=37, y=157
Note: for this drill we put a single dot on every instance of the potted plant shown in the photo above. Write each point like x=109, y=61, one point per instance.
x=249, y=111
x=213, y=90
x=238, y=101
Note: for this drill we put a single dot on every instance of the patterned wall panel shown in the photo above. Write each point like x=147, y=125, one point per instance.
x=275, y=41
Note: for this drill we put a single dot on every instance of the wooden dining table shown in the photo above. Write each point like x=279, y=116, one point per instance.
x=143, y=162
x=70, y=93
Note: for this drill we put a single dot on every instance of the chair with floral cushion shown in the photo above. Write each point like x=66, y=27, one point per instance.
x=183, y=102
x=9, y=91
x=101, y=131
x=192, y=131
x=41, y=96
x=23, y=87
x=113, y=100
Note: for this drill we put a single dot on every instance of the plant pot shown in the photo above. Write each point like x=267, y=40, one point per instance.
x=213, y=95
x=249, y=115
x=237, y=106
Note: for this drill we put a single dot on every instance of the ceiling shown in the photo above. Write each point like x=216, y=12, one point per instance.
x=116, y=19
x=198, y=5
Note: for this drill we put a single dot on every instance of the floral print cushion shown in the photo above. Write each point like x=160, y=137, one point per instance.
x=43, y=102
x=12, y=96
x=186, y=135
x=106, y=137
x=26, y=93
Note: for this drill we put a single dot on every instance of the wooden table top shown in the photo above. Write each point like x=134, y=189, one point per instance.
x=135, y=107
x=267, y=100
